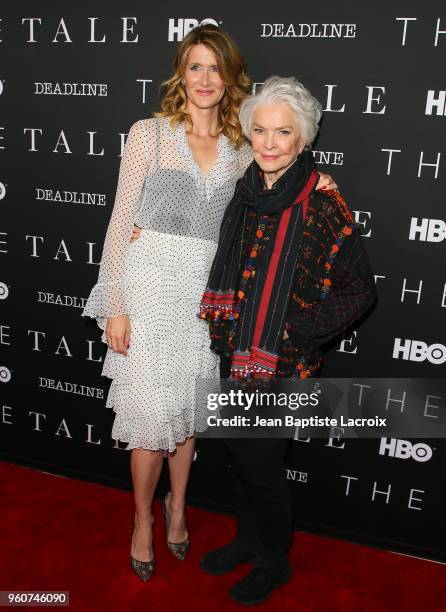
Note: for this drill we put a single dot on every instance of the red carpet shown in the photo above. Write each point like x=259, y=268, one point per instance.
x=65, y=534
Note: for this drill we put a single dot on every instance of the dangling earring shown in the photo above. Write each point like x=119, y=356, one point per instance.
x=182, y=82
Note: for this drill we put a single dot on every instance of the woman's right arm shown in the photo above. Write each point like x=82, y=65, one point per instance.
x=106, y=301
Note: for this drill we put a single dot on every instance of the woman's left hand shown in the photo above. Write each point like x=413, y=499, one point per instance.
x=326, y=182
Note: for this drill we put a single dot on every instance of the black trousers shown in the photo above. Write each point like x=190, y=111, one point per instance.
x=262, y=498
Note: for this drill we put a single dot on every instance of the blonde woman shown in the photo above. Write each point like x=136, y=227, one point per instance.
x=177, y=175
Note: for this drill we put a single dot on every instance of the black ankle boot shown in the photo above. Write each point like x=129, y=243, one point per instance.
x=225, y=559
x=257, y=586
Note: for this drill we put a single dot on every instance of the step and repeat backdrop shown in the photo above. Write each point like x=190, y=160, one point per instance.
x=73, y=79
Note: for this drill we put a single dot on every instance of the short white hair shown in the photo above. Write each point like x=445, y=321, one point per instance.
x=307, y=109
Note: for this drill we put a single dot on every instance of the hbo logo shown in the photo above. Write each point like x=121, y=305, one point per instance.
x=182, y=27
x=5, y=374
x=403, y=449
x=415, y=350
x=432, y=230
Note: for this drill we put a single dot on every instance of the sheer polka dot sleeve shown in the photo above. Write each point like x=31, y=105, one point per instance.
x=244, y=157
x=106, y=298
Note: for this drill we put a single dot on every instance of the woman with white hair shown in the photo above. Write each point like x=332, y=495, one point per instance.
x=290, y=274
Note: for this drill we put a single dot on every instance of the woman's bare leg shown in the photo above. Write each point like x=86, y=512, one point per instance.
x=146, y=466
x=179, y=468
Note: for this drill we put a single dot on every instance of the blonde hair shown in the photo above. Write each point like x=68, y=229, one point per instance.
x=231, y=66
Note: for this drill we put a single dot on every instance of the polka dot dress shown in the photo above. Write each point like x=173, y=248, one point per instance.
x=158, y=281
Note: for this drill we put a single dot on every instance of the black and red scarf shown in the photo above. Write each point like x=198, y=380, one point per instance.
x=249, y=295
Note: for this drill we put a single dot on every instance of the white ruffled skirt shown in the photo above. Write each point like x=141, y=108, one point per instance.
x=153, y=389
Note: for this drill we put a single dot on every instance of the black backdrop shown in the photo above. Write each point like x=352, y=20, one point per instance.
x=69, y=91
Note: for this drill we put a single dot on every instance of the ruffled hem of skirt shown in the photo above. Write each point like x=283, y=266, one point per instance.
x=142, y=426
x=163, y=438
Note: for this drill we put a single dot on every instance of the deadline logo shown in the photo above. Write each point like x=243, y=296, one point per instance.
x=403, y=449
x=2, y=191
x=179, y=28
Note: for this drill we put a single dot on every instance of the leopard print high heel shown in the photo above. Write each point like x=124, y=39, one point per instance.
x=143, y=569
x=178, y=550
